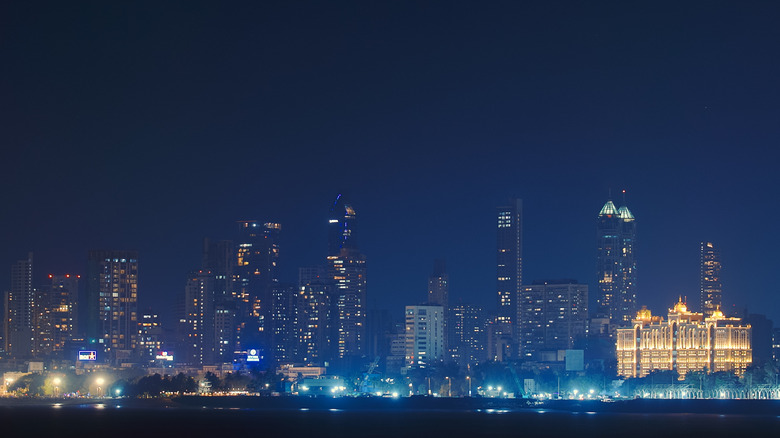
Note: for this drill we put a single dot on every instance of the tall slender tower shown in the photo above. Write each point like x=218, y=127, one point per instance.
x=19, y=310
x=616, y=263
x=347, y=271
x=711, y=287
x=509, y=265
x=112, y=299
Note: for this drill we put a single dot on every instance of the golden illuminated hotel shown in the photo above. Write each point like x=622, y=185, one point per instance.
x=686, y=341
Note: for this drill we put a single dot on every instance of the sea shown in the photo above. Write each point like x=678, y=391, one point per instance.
x=253, y=417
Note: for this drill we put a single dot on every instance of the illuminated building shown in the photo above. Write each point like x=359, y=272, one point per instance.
x=257, y=269
x=466, y=334
x=509, y=266
x=19, y=310
x=314, y=322
x=284, y=322
x=686, y=341
x=555, y=314
x=346, y=267
x=200, y=348
x=711, y=287
x=149, y=334
x=61, y=314
x=112, y=299
x=616, y=264
x=424, y=335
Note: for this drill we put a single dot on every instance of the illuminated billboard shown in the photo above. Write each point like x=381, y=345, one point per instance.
x=164, y=355
x=87, y=355
x=252, y=355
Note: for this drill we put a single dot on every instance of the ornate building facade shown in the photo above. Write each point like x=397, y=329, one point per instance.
x=686, y=341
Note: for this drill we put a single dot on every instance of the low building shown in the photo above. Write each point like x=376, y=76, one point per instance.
x=686, y=341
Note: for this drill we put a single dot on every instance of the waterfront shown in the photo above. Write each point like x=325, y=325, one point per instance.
x=216, y=416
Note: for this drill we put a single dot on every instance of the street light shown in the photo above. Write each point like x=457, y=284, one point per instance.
x=100, y=382
x=449, y=387
x=410, y=390
x=469, y=379
x=56, y=381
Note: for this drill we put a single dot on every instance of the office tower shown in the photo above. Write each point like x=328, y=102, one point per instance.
x=112, y=300
x=466, y=334
x=284, y=322
x=347, y=271
x=150, y=334
x=555, y=316
x=200, y=344
x=616, y=263
x=424, y=335
x=61, y=314
x=509, y=265
x=19, y=310
x=711, y=287
x=686, y=341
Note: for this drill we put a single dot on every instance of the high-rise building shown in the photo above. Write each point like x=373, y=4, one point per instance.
x=509, y=261
x=616, y=263
x=347, y=271
x=424, y=335
x=711, y=287
x=61, y=312
x=200, y=343
x=19, y=310
x=466, y=334
x=150, y=334
x=439, y=293
x=284, y=322
x=555, y=316
x=314, y=322
x=686, y=341
x=112, y=300
x=257, y=269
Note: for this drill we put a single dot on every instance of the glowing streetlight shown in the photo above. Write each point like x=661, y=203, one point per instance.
x=56, y=381
x=469, y=380
x=449, y=387
x=100, y=381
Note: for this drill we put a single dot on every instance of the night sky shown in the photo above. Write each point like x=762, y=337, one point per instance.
x=151, y=125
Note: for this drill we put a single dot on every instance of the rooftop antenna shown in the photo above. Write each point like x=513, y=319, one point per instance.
x=624, y=196
x=609, y=191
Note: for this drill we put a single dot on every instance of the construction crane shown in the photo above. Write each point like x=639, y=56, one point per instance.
x=364, y=385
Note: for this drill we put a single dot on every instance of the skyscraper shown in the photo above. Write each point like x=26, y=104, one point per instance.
x=616, y=264
x=258, y=253
x=112, y=299
x=711, y=287
x=199, y=309
x=509, y=265
x=61, y=314
x=19, y=310
x=347, y=271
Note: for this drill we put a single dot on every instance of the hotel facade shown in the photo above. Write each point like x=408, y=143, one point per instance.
x=685, y=341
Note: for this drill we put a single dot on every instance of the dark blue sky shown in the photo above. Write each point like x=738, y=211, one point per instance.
x=150, y=126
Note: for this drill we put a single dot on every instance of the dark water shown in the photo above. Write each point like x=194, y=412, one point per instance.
x=153, y=421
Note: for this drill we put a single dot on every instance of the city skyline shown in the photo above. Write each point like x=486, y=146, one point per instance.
x=149, y=132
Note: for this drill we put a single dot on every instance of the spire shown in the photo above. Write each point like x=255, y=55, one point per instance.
x=623, y=212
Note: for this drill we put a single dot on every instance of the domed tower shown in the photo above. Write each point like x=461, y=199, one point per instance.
x=616, y=265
